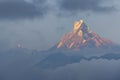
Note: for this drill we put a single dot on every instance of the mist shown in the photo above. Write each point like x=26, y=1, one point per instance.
x=100, y=69
x=38, y=25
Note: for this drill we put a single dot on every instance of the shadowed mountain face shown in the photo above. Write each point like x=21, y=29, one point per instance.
x=82, y=37
x=61, y=59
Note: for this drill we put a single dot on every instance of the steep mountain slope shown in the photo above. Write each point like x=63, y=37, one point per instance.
x=82, y=37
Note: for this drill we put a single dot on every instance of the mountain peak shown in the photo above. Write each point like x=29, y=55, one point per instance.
x=82, y=37
x=77, y=24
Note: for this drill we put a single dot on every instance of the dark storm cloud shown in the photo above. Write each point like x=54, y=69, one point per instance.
x=20, y=9
x=15, y=9
x=84, y=5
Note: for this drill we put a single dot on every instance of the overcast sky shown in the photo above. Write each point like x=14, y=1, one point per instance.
x=39, y=24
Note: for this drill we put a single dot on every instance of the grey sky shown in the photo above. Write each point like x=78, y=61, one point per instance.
x=39, y=24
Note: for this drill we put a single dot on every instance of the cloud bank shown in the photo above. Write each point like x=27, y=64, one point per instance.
x=21, y=9
x=85, y=70
x=84, y=5
x=17, y=9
